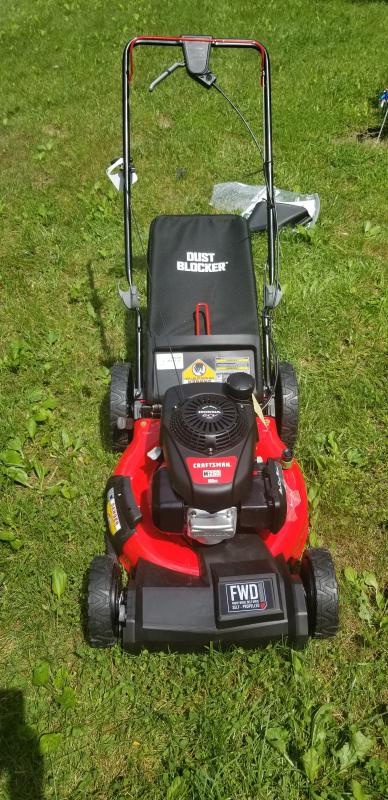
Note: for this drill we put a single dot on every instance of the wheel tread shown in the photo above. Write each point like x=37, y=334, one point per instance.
x=287, y=404
x=120, y=399
x=101, y=626
x=318, y=576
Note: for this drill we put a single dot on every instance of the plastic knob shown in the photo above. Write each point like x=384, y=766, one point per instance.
x=240, y=386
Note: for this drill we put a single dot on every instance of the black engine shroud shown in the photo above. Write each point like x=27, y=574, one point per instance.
x=208, y=440
x=209, y=437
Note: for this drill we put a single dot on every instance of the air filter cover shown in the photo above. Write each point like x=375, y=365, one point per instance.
x=209, y=423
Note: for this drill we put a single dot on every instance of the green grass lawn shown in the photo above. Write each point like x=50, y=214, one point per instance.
x=232, y=725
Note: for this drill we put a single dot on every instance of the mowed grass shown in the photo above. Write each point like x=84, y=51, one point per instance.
x=254, y=725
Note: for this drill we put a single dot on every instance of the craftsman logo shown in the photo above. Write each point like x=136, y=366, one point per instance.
x=247, y=596
x=202, y=464
x=112, y=513
x=201, y=262
x=212, y=470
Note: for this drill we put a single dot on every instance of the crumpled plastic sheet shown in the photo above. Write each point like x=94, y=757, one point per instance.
x=235, y=196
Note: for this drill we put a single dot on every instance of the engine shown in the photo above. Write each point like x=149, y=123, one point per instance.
x=210, y=481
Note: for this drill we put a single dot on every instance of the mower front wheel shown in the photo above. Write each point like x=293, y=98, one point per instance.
x=121, y=398
x=287, y=404
x=320, y=584
x=104, y=590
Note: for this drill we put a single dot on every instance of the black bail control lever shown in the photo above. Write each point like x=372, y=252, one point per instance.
x=165, y=74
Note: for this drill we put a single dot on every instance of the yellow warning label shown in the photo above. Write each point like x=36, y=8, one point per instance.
x=111, y=519
x=198, y=371
x=227, y=365
x=112, y=514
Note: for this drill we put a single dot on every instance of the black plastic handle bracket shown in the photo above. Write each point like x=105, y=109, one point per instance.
x=121, y=512
x=197, y=57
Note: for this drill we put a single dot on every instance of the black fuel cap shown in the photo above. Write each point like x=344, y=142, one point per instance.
x=240, y=385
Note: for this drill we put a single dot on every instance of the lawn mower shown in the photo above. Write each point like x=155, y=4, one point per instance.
x=206, y=511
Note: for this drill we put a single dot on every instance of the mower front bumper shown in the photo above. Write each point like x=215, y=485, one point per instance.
x=244, y=594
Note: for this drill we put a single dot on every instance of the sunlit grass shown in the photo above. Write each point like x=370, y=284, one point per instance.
x=218, y=725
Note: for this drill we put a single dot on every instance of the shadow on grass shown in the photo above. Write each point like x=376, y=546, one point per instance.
x=83, y=604
x=139, y=265
x=373, y=134
x=105, y=433
x=97, y=305
x=20, y=758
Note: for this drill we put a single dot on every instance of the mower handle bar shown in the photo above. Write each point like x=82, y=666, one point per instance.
x=127, y=75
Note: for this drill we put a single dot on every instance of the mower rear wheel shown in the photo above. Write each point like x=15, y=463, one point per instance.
x=287, y=404
x=104, y=589
x=121, y=405
x=320, y=584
